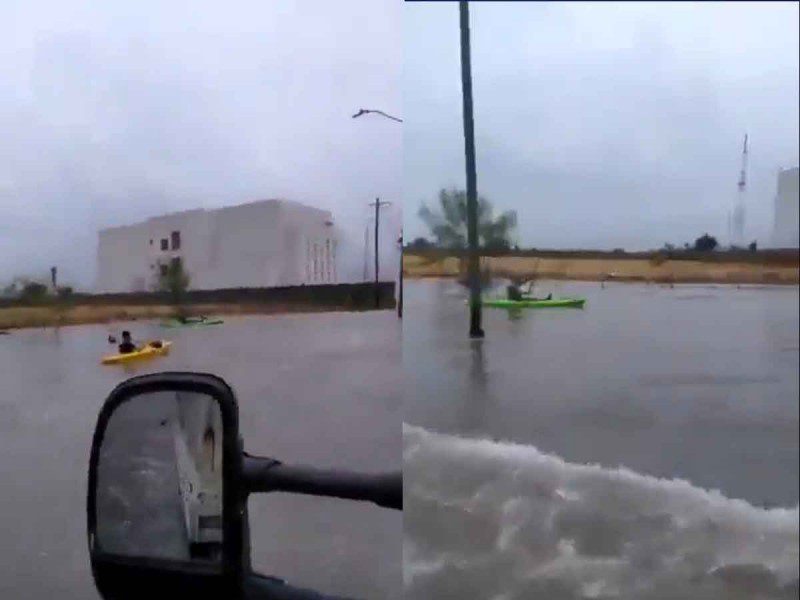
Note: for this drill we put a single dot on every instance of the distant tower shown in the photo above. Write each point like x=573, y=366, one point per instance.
x=739, y=209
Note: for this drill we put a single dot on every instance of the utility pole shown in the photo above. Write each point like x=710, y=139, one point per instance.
x=475, y=330
x=377, y=204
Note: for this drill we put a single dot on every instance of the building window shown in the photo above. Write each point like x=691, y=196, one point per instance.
x=151, y=242
x=176, y=240
x=163, y=269
x=176, y=262
x=164, y=244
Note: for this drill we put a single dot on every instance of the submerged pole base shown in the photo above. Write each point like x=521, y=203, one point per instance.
x=475, y=329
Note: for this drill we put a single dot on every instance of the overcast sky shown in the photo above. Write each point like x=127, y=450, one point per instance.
x=605, y=125
x=112, y=112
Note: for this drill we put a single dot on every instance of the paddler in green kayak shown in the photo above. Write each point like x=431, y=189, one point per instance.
x=515, y=293
x=514, y=289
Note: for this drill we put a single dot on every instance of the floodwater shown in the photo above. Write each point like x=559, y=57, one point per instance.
x=318, y=389
x=645, y=446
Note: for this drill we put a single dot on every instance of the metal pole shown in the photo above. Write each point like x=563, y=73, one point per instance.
x=475, y=330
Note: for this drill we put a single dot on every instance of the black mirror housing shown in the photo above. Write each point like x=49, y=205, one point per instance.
x=121, y=577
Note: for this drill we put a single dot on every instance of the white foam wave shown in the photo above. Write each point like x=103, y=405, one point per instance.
x=504, y=521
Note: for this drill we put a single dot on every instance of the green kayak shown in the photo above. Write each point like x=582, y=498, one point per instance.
x=191, y=322
x=534, y=303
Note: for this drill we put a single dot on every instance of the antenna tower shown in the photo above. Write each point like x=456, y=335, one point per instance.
x=739, y=210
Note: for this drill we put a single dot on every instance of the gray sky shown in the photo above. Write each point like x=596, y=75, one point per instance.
x=605, y=125
x=113, y=112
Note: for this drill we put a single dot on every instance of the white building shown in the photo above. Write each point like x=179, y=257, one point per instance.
x=786, y=233
x=268, y=243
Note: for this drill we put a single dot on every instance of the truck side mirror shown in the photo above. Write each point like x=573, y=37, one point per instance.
x=165, y=504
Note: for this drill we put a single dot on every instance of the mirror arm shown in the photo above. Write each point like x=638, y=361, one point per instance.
x=269, y=475
x=259, y=587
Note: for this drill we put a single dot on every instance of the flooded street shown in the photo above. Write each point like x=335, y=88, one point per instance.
x=314, y=389
x=696, y=383
x=548, y=458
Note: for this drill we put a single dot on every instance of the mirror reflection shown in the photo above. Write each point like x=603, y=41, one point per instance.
x=159, y=478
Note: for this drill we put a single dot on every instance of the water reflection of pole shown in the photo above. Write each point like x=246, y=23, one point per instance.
x=476, y=408
x=475, y=330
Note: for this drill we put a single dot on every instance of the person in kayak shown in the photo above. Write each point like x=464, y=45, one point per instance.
x=127, y=346
x=513, y=292
x=514, y=289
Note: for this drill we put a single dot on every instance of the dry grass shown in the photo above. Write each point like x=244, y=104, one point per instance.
x=53, y=316
x=597, y=269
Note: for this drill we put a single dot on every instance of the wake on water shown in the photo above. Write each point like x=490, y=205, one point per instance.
x=501, y=521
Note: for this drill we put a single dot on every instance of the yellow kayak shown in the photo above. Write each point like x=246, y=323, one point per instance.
x=152, y=349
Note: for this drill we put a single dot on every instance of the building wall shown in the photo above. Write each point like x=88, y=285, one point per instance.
x=787, y=210
x=245, y=243
x=261, y=244
x=310, y=246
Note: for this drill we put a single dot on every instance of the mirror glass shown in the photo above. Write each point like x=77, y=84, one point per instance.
x=159, y=479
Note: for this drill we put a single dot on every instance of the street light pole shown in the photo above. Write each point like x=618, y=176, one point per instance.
x=378, y=204
x=475, y=330
x=367, y=111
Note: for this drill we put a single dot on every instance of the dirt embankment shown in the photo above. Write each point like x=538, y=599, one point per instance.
x=656, y=268
x=82, y=309
x=54, y=316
